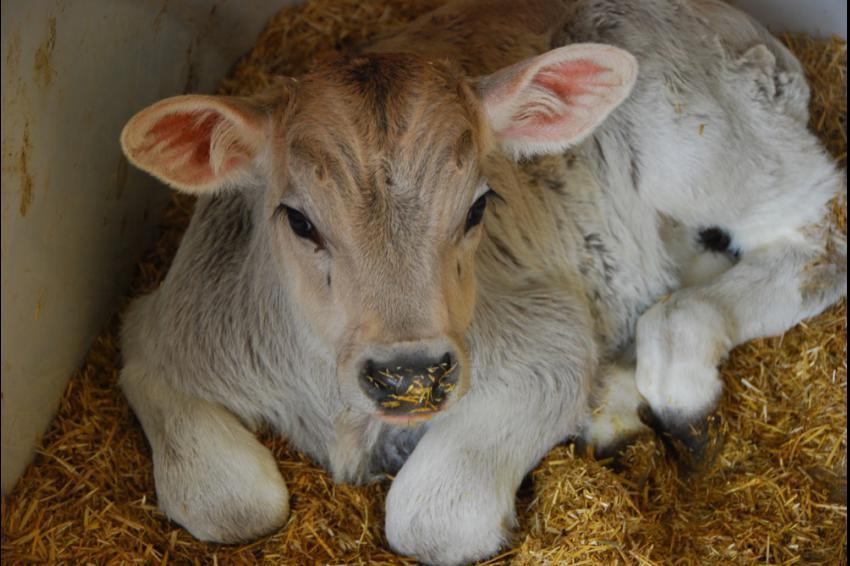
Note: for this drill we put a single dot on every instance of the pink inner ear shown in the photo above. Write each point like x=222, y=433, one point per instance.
x=196, y=143
x=569, y=79
x=190, y=131
x=175, y=135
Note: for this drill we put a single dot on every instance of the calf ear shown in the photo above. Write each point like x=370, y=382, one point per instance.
x=550, y=102
x=196, y=143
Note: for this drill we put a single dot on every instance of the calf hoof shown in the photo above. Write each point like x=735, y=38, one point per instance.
x=694, y=444
x=614, y=424
x=612, y=455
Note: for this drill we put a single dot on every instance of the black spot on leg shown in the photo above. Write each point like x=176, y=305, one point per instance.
x=715, y=239
x=329, y=280
x=459, y=270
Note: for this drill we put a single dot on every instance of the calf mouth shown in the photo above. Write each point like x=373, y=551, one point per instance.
x=405, y=421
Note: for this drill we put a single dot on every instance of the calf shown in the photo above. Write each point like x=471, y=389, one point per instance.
x=509, y=224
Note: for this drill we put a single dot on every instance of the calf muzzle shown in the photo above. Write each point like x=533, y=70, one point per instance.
x=410, y=386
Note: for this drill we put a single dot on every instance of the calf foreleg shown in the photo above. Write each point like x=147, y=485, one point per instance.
x=453, y=500
x=212, y=475
x=682, y=339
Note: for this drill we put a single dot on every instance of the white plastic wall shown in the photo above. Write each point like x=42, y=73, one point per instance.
x=74, y=215
x=821, y=18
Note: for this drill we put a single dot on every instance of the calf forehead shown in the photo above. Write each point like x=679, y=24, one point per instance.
x=386, y=141
x=383, y=94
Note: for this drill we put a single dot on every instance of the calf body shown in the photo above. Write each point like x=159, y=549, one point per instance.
x=594, y=281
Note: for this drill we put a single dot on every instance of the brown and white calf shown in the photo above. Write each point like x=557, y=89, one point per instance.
x=436, y=257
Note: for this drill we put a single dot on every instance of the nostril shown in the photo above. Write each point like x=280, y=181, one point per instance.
x=375, y=377
x=441, y=369
x=448, y=364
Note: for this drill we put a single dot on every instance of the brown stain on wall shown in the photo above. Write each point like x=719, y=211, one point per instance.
x=191, y=83
x=27, y=184
x=16, y=156
x=44, y=55
x=157, y=20
x=14, y=52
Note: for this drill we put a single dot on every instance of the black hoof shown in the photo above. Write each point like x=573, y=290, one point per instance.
x=693, y=444
x=611, y=455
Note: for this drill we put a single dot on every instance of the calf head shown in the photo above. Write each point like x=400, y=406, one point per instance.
x=373, y=181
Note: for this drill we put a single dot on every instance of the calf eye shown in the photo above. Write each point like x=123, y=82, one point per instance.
x=302, y=226
x=476, y=212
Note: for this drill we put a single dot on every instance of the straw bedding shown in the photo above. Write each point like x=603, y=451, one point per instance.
x=774, y=493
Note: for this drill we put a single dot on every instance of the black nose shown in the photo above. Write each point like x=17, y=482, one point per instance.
x=405, y=384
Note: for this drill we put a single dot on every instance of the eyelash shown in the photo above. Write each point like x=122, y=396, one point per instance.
x=476, y=212
x=301, y=225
